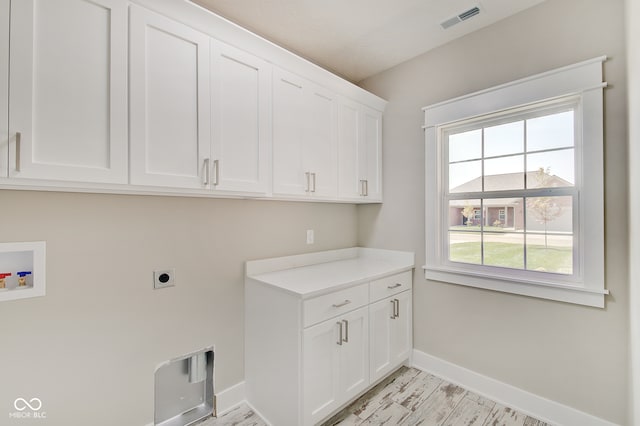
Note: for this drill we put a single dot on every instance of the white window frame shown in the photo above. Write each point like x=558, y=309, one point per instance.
x=583, y=82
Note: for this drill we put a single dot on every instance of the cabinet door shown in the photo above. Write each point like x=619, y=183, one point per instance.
x=371, y=154
x=68, y=93
x=349, y=147
x=354, y=354
x=380, y=316
x=4, y=87
x=321, y=375
x=320, y=143
x=170, y=102
x=401, y=329
x=241, y=98
x=289, y=117
x=391, y=333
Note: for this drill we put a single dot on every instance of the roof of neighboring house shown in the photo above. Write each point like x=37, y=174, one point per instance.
x=506, y=181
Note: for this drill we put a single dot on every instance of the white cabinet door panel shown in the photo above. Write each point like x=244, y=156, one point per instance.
x=68, y=92
x=349, y=147
x=372, y=157
x=321, y=156
x=241, y=120
x=321, y=375
x=401, y=329
x=354, y=353
x=170, y=108
x=391, y=333
x=4, y=87
x=288, y=134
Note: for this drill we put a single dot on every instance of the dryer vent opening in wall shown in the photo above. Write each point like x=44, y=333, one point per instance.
x=460, y=17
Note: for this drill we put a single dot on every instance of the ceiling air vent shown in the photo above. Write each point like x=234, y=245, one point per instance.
x=461, y=17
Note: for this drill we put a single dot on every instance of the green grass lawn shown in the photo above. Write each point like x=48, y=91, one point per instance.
x=509, y=255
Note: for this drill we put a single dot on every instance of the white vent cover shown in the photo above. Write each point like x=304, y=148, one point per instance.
x=460, y=17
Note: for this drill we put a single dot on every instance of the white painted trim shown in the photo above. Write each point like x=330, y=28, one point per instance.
x=526, y=402
x=230, y=398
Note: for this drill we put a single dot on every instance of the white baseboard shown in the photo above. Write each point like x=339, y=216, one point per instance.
x=511, y=396
x=230, y=398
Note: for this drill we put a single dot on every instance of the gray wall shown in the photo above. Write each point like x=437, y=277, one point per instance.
x=575, y=355
x=632, y=13
x=89, y=348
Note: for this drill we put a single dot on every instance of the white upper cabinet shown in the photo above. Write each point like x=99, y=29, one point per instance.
x=241, y=99
x=68, y=92
x=4, y=86
x=359, y=152
x=304, y=138
x=170, y=103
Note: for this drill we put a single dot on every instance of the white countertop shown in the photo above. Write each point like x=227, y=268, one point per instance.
x=318, y=273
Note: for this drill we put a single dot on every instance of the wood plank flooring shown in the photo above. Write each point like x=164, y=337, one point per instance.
x=408, y=397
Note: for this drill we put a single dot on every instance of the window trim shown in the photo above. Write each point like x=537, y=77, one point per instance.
x=582, y=81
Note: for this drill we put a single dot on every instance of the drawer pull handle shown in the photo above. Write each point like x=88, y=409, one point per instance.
x=396, y=285
x=339, y=342
x=346, y=331
x=340, y=305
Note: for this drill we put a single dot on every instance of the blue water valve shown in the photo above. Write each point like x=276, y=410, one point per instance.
x=22, y=280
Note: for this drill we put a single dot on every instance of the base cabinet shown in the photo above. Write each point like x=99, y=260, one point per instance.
x=306, y=357
x=336, y=356
x=391, y=339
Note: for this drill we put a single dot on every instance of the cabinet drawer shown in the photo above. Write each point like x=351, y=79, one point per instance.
x=390, y=285
x=330, y=305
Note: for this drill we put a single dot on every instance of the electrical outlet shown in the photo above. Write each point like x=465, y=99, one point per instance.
x=310, y=236
x=164, y=278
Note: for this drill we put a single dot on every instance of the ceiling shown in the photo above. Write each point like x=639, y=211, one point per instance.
x=360, y=38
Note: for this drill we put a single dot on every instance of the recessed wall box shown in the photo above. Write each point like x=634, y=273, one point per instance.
x=23, y=267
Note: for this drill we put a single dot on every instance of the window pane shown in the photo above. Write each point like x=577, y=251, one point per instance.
x=550, y=131
x=504, y=173
x=550, y=215
x=550, y=253
x=465, y=146
x=465, y=177
x=503, y=214
x=465, y=247
x=463, y=215
x=504, y=139
x=504, y=249
x=550, y=234
x=551, y=169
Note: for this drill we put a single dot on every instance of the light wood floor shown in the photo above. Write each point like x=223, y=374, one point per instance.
x=407, y=397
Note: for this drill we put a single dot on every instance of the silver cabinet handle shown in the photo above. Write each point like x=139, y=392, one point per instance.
x=308, y=187
x=207, y=171
x=216, y=175
x=396, y=285
x=339, y=342
x=313, y=180
x=396, y=306
x=340, y=305
x=366, y=188
x=18, y=146
x=346, y=331
x=393, y=309
x=362, y=187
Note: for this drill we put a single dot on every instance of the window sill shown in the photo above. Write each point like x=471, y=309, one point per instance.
x=558, y=292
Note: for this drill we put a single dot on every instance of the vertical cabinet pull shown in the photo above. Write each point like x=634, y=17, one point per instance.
x=308, y=187
x=216, y=174
x=313, y=180
x=339, y=342
x=18, y=143
x=207, y=171
x=346, y=331
x=364, y=187
x=395, y=306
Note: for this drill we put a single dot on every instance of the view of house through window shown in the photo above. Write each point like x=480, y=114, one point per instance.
x=510, y=191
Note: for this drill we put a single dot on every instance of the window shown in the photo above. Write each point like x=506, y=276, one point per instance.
x=515, y=188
